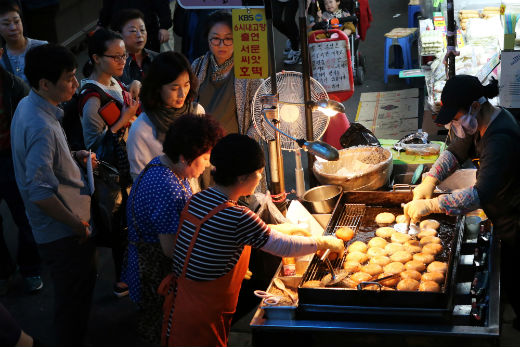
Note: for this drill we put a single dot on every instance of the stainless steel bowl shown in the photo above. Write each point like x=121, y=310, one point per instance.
x=321, y=199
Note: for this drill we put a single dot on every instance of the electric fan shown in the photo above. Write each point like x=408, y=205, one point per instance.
x=291, y=109
x=289, y=118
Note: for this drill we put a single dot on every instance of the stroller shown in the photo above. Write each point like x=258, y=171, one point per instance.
x=358, y=61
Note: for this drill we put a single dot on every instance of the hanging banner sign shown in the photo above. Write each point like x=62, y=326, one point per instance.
x=250, y=53
x=209, y=4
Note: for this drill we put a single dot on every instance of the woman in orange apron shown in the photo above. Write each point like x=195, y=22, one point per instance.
x=212, y=248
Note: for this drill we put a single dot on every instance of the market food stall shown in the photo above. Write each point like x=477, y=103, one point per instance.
x=318, y=311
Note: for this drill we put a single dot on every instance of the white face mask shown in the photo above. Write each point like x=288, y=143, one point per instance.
x=467, y=123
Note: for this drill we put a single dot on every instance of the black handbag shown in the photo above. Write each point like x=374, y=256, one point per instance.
x=107, y=202
x=113, y=151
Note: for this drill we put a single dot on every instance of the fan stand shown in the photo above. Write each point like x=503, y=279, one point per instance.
x=276, y=163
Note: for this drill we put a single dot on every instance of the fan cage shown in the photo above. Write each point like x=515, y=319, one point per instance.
x=291, y=99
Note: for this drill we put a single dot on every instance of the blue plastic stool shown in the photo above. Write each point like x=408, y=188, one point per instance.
x=405, y=60
x=413, y=22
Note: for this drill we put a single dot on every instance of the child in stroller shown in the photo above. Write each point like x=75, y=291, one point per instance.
x=340, y=14
x=332, y=9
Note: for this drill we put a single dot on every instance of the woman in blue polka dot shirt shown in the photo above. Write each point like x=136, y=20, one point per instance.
x=153, y=211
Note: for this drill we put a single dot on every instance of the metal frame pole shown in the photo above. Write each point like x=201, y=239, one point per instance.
x=275, y=150
x=306, y=73
x=451, y=39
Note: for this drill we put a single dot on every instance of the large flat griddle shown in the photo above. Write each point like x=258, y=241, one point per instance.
x=358, y=210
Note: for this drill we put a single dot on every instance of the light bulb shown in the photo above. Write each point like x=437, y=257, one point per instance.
x=327, y=111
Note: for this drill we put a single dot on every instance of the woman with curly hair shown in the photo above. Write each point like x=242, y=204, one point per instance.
x=153, y=211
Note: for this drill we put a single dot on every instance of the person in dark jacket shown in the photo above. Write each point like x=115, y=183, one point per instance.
x=492, y=136
x=12, y=90
x=157, y=18
x=130, y=24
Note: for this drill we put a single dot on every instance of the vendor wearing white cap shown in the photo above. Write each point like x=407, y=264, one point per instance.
x=211, y=253
x=492, y=135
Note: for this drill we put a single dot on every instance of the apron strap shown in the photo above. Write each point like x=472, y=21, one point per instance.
x=198, y=223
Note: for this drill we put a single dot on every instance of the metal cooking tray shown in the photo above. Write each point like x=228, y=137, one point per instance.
x=395, y=302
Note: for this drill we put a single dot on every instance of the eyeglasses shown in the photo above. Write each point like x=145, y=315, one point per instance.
x=215, y=41
x=117, y=58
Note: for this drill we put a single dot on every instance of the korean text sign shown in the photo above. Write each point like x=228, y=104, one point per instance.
x=250, y=43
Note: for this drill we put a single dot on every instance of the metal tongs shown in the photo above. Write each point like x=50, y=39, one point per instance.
x=376, y=281
x=325, y=258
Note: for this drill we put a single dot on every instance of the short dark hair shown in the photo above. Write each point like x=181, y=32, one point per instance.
x=165, y=68
x=98, y=44
x=124, y=16
x=233, y=156
x=191, y=136
x=218, y=17
x=9, y=6
x=48, y=61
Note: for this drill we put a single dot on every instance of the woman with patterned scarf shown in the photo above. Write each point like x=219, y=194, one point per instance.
x=167, y=93
x=221, y=94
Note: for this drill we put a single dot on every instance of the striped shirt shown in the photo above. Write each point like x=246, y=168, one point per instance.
x=221, y=239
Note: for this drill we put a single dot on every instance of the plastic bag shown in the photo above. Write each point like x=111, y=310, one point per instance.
x=358, y=135
x=264, y=207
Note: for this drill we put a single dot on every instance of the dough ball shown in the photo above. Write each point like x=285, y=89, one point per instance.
x=415, y=265
x=424, y=258
x=351, y=266
x=377, y=242
x=372, y=269
x=358, y=246
x=430, y=239
x=394, y=267
x=391, y=248
x=413, y=274
x=412, y=246
x=390, y=282
x=400, y=237
x=438, y=266
x=427, y=232
x=375, y=252
x=401, y=256
x=387, y=288
x=348, y=283
x=400, y=219
x=379, y=260
x=312, y=284
x=429, y=286
x=429, y=224
x=433, y=276
x=371, y=287
x=357, y=257
x=339, y=276
x=345, y=233
x=361, y=277
x=432, y=248
x=385, y=232
x=408, y=284
x=385, y=218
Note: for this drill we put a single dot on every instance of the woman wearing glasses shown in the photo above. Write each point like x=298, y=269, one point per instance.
x=107, y=112
x=220, y=93
x=130, y=23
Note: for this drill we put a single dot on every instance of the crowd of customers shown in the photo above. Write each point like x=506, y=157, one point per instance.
x=157, y=155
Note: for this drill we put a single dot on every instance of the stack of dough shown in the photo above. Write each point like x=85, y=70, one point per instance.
x=465, y=16
x=489, y=12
